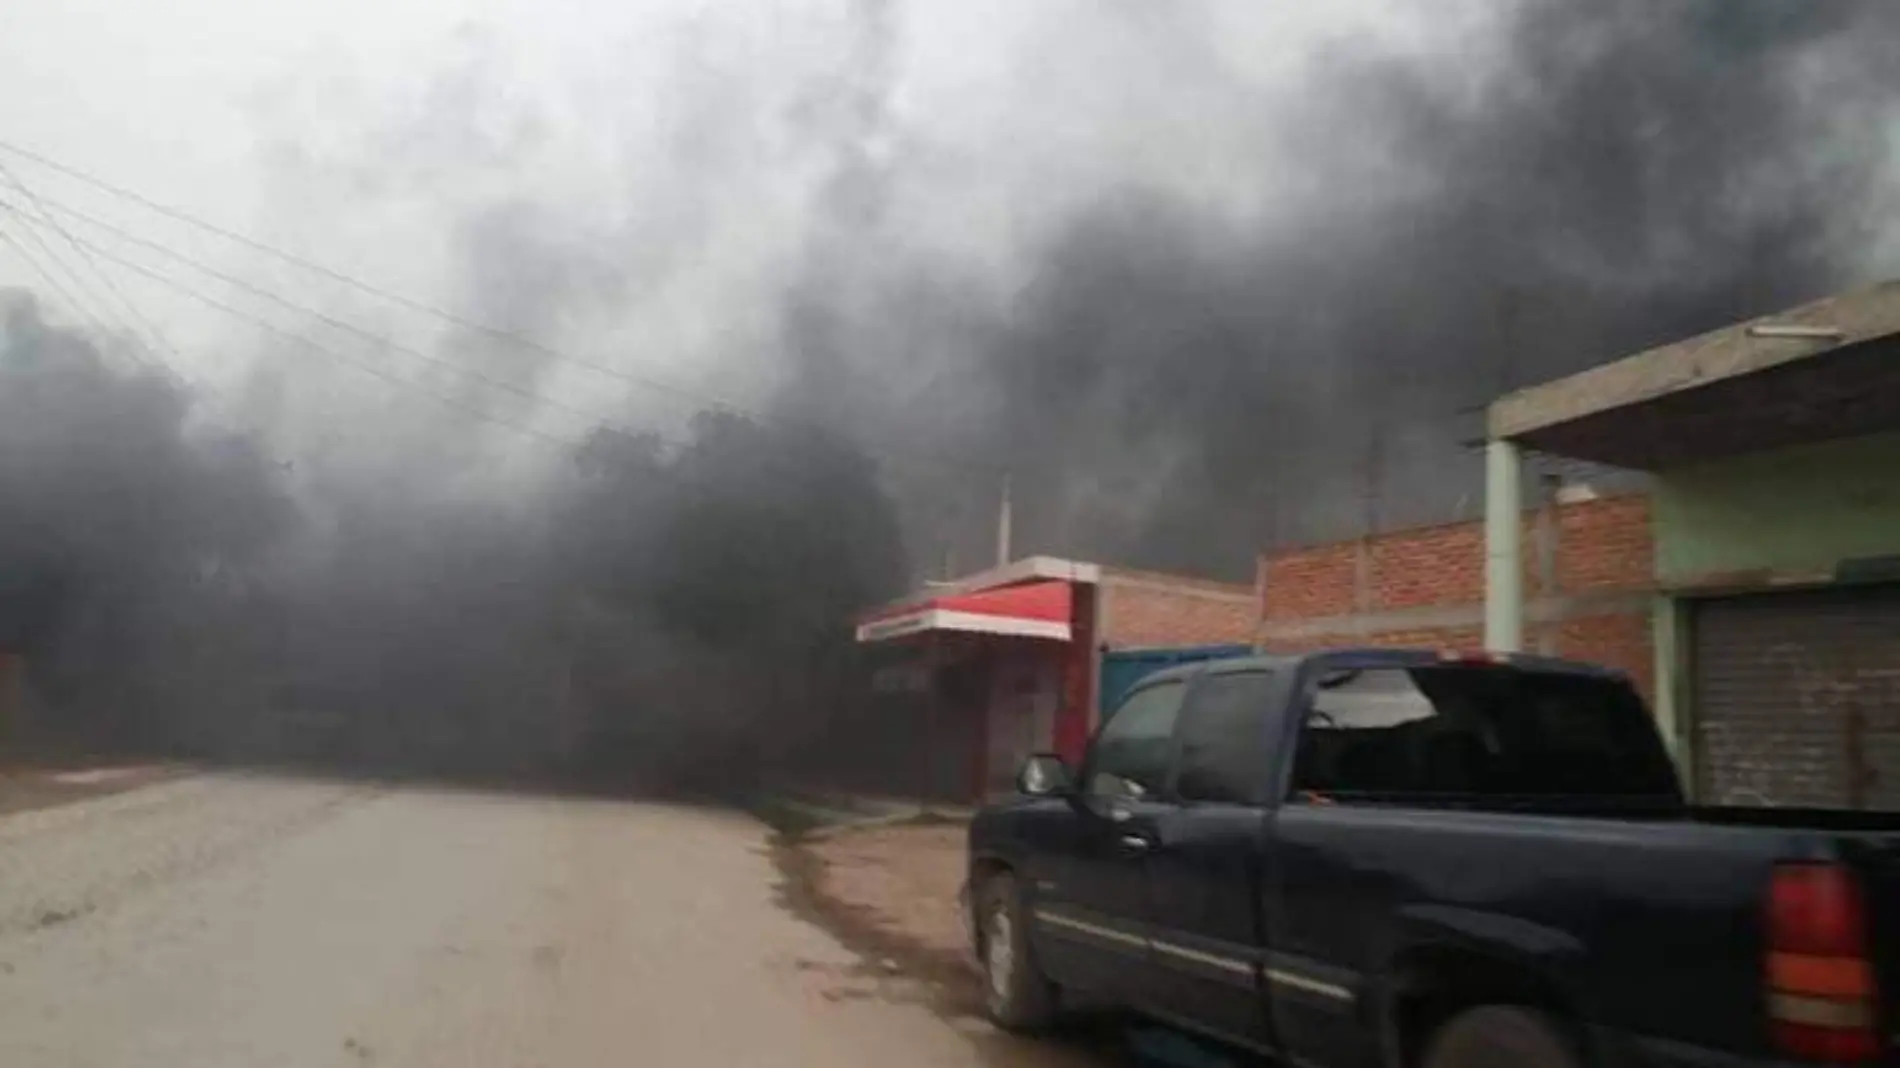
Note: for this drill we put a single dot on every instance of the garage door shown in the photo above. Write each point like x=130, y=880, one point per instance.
x=1796, y=698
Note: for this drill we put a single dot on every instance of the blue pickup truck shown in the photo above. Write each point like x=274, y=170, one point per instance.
x=1430, y=860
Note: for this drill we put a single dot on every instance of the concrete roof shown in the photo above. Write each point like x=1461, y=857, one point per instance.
x=1726, y=391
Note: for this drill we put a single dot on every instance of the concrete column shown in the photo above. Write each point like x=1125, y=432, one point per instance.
x=1362, y=584
x=1503, y=563
x=1666, y=637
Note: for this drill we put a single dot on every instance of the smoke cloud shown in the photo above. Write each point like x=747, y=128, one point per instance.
x=672, y=615
x=1177, y=382
x=123, y=535
x=1193, y=299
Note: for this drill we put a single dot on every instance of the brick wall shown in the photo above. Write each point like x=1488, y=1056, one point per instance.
x=1621, y=640
x=1142, y=609
x=1309, y=582
x=1588, y=568
x=1605, y=545
x=1431, y=566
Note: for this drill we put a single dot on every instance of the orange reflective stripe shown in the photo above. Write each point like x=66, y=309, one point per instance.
x=1803, y=973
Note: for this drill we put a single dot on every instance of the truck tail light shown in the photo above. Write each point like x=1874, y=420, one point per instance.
x=1820, y=982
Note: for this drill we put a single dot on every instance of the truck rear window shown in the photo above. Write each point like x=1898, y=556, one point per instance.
x=1470, y=731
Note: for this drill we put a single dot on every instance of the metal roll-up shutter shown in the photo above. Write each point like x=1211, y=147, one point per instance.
x=1796, y=698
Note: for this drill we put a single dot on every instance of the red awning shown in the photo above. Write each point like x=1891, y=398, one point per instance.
x=1035, y=610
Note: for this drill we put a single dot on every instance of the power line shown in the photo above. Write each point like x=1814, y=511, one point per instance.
x=598, y=421
x=84, y=308
x=125, y=302
x=82, y=246
x=877, y=452
x=65, y=296
x=559, y=440
x=367, y=368
x=78, y=307
x=940, y=463
x=374, y=290
x=59, y=288
x=304, y=309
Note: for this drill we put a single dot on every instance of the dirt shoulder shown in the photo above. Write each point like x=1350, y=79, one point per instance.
x=890, y=894
x=24, y=787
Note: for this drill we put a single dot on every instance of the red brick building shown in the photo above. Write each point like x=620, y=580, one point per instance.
x=1589, y=584
x=1144, y=608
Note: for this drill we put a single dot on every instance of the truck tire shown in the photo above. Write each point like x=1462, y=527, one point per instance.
x=1017, y=996
x=1501, y=1036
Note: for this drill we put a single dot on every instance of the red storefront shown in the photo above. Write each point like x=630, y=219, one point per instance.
x=982, y=672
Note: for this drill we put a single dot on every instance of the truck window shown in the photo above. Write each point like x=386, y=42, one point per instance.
x=1223, y=739
x=1130, y=755
x=1479, y=731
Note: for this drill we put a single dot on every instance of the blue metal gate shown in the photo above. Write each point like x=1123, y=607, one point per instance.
x=1122, y=668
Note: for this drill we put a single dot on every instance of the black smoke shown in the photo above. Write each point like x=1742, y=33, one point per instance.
x=1177, y=389
x=128, y=538
x=662, y=614
x=1168, y=381
x=716, y=585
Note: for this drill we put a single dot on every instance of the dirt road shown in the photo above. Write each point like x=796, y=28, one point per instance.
x=229, y=920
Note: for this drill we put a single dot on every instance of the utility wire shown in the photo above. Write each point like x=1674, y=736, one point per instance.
x=117, y=326
x=453, y=366
x=940, y=463
x=78, y=307
x=58, y=287
x=125, y=302
x=562, y=441
x=89, y=248
x=556, y=440
x=70, y=279
x=367, y=368
x=377, y=291
x=304, y=309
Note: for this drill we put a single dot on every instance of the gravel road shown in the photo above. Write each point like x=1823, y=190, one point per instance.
x=234, y=920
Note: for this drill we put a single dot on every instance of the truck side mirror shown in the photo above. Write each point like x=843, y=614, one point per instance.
x=1045, y=775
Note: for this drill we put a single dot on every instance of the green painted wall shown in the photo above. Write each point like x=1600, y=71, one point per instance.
x=1795, y=510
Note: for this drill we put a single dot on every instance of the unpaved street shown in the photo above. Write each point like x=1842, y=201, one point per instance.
x=243, y=921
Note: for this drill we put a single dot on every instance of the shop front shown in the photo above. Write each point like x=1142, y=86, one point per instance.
x=967, y=683
x=969, y=677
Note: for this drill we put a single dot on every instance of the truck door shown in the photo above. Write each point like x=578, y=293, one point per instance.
x=1330, y=913
x=1090, y=905
x=1205, y=868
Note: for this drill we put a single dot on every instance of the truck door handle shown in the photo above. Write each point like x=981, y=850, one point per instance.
x=1137, y=843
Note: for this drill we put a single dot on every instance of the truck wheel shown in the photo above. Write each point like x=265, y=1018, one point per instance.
x=1501, y=1036
x=1016, y=994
